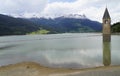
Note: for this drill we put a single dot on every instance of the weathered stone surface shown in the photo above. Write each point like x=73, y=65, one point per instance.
x=106, y=27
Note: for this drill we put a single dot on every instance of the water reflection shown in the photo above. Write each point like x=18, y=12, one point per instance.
x=106, y=38
x=106, y=50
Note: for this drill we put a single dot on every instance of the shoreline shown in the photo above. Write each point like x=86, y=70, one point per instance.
x=35, y=69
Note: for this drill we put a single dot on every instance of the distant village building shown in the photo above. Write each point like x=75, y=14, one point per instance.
x=106, y=26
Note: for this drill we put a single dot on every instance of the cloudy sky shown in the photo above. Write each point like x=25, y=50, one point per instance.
x=93, y=9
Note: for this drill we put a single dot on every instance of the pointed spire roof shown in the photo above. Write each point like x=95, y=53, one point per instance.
x=106, y=14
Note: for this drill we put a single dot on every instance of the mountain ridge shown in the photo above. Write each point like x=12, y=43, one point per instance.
x=65, y=24
x=21, y=26
x=15, y=26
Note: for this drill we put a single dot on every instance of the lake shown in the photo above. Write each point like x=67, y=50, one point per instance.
x=78, y=50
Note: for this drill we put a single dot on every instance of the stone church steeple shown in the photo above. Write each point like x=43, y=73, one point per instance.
x=106, y=14
x=106, y=26
x=106, y=22
x=106, y=38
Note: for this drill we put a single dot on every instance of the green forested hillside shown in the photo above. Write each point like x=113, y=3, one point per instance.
x=116, y=27
x=15, y=26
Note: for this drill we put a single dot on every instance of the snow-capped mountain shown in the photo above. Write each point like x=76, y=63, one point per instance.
x=72, y=23
x=76, y=16
x=47, y=16
x=68, y=23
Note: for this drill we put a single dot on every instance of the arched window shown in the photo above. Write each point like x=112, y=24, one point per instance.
x=106, y=21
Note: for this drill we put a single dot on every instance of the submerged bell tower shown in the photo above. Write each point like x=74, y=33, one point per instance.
x=106, y=38
x=106, y=26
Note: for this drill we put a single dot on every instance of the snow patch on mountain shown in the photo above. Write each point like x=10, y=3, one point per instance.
x=76, y=16
x=47, y=16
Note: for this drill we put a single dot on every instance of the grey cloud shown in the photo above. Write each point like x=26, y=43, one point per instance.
x=22, y=6
x=92, y=9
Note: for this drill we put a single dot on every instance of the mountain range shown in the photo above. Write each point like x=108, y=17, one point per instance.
x=15, y=26
x=72, y=23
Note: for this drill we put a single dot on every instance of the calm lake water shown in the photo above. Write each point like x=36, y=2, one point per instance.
x=78, y=50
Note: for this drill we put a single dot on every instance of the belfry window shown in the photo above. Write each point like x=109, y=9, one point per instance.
x=106, y=21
